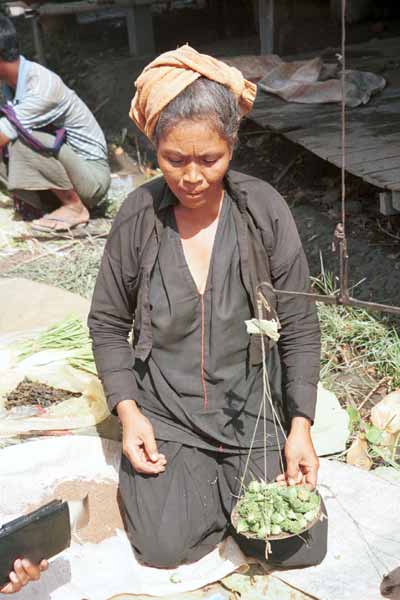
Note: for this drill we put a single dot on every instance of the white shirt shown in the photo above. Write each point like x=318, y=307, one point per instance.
x=41, y=98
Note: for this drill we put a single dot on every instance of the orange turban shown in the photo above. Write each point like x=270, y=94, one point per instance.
x=172, y=72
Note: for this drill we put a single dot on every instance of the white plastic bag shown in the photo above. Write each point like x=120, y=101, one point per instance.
x=386, y=414
x=50, y=367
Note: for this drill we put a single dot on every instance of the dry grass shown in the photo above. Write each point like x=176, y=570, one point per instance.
x=359, y=348
x=74, y=270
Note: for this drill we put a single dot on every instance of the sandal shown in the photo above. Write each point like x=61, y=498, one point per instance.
x=65, y=227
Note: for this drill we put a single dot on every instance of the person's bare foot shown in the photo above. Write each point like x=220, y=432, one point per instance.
x=63, y=218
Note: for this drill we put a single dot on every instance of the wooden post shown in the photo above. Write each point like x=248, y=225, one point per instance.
x=37, y=40
x=333, y=7
x=139, y=22
x=144, y=28
x=267, y=29
x=131, y=27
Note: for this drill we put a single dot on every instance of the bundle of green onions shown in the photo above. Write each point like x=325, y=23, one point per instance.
x=269, y=509
x=71, y=336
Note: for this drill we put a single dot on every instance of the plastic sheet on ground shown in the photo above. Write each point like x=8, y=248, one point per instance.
x=308, y=81
x=360, y=552
x=22, y=319
x=330, y=431
x=28, y=472
x=28, y=305
x=49, y=367
x=390, y=474
x=364, y=535
x=213, y=592
x=255, y=585
x=386, y=414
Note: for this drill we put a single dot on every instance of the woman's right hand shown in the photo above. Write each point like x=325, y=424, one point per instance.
x=138, y=441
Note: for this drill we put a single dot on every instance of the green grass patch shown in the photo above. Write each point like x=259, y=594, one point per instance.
x=357, y=338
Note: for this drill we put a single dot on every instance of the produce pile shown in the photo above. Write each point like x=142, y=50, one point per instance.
x=269, y=509
x=30, y=392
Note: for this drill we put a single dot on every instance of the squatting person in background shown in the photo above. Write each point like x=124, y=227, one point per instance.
x=73, y=167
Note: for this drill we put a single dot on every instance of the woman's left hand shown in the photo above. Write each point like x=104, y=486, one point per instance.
x=302, y=462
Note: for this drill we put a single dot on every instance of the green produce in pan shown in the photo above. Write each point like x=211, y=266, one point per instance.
x=269, y=509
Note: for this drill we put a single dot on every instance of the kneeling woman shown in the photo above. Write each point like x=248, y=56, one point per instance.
x=183, y=262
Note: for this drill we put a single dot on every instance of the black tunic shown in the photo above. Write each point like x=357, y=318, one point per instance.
x=197, y=387
x=204, y=392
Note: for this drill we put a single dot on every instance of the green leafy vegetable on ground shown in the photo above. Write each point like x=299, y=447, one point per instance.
x=69, y=335
x=354, y=418
x=268, y=509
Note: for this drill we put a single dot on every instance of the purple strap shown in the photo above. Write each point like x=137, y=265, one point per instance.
x=33, y=142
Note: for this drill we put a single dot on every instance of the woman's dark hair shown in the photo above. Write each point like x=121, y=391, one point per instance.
x=205, y=100
x=9, y=50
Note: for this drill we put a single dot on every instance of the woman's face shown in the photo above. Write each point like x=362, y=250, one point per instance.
x=194, y=159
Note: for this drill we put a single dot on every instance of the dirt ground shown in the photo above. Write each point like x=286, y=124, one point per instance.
x=103, y=509
x=94, y=61
x=312, y=189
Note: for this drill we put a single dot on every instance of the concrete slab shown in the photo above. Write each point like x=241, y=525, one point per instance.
x=25, y=304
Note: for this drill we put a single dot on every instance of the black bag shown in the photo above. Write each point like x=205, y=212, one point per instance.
x=39, y=535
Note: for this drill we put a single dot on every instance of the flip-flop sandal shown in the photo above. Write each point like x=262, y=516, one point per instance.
x=66, y=228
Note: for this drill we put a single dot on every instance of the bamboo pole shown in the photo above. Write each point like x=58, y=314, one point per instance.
x=68, y=8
